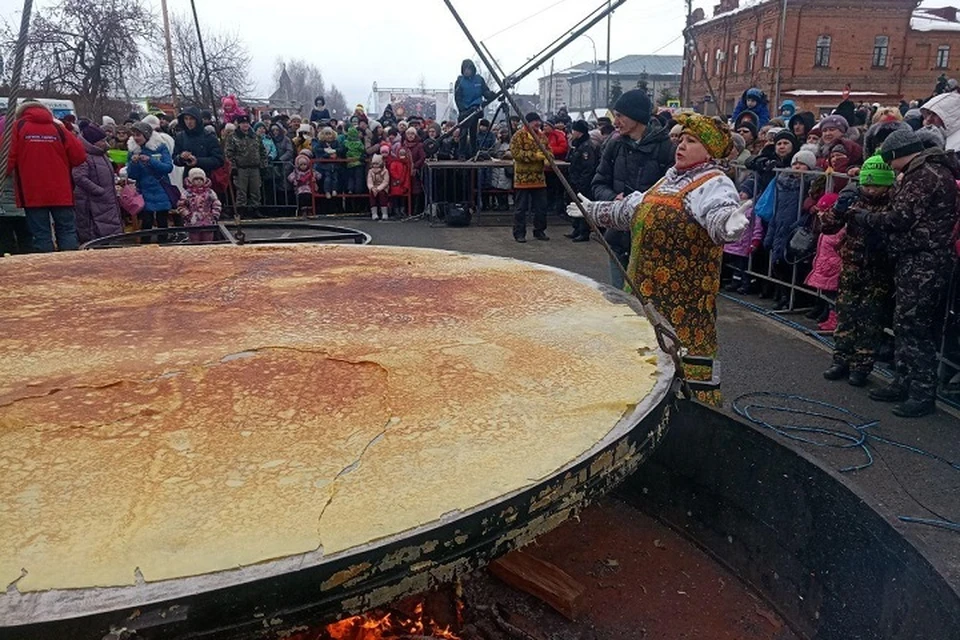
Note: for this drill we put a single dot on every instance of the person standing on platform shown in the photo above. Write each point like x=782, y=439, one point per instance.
x=469, y=92
x=529, y=180
x=42, y=157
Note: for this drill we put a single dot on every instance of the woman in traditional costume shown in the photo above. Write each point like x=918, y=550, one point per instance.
x=678, y=228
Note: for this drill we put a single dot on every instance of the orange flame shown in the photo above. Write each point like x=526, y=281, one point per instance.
x=370, y=626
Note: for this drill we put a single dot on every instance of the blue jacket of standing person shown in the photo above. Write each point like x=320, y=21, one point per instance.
x=153, y=175
x=470, y=89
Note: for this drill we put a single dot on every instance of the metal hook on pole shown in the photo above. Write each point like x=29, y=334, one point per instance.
x=666, y=336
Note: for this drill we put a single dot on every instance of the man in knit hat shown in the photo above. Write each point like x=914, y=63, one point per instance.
x=634, y=161
x=865, y=276
x=918, y=226
x=529, y=179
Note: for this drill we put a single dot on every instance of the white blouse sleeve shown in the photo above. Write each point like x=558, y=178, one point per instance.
x=711, y=205
x=617, y=214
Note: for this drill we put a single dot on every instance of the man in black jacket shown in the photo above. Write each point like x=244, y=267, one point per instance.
x=634, y=161
x=194, y=147
x=583, y=157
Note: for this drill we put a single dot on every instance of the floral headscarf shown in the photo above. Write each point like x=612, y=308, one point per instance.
x=711, y=132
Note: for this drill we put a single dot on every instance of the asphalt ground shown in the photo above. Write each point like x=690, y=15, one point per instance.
x=758, y=354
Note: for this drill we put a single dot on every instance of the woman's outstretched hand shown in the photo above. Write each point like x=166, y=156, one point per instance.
x=574, y=211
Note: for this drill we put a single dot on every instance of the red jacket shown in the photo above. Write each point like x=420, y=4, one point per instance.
x=42, y=157
x=557, y=141
x=399, y=177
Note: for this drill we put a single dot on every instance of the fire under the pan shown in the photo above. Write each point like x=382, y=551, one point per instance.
x=626, y=576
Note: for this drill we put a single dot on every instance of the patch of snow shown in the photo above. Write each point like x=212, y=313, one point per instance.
x=923, y=21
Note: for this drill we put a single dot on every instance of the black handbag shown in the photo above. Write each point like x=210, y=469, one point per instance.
x=803, y=243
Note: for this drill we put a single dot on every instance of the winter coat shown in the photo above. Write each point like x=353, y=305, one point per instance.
x=557, y=141
x=153, y=176
x=583, y=157
x=470, y=91
x=762, y=110
x=98, y=212
x=270, y=146
x=399, y=176
x=378, y=179
x=862, y=246
x=327, y=150
x=372, y=142
x=764, y=166
x=284, y=148
x=744, y=246
x=204, y=146
x=388, y=119
x=448, y=149
x=786, y=214
x=245, y=151
x=176, y=176
x=301, y=143
x=42, y=156
x=500, y=178
x=303, y=181
x=947, y=108
x=627, y=165
x=486, y=141
x=417, y=157
x=807, y=118
x=827, y=263
x=355, y=151
x=788, y=109
x=316, y=115
x=923, y=208
x=199, y=205
x=528, y=160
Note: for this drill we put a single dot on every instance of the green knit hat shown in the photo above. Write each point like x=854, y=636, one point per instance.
x=876, y=173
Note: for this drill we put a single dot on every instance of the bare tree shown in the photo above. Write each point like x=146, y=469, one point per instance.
x=84, y=48
x=227, y=57
x=337, y=103
x=306, y=80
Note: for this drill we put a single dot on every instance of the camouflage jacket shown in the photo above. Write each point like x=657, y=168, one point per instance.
x=246, y=151
x=862, y=245
x=528, y=161
x=923, y=209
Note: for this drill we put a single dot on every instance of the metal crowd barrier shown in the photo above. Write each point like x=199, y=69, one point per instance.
x=278, y=196
x=766, y=271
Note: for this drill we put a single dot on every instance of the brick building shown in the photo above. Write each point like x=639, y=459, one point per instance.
x=884, y=50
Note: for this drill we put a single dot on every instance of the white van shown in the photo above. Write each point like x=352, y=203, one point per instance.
x=60, y=108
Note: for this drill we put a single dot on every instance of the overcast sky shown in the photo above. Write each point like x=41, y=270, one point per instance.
x=394, y=43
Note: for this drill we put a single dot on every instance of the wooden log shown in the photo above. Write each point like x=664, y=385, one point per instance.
x=543, y=580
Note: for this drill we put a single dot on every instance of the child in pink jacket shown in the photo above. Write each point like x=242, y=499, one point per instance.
x=825, y=275
x=736, y=255
x=199, y=205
